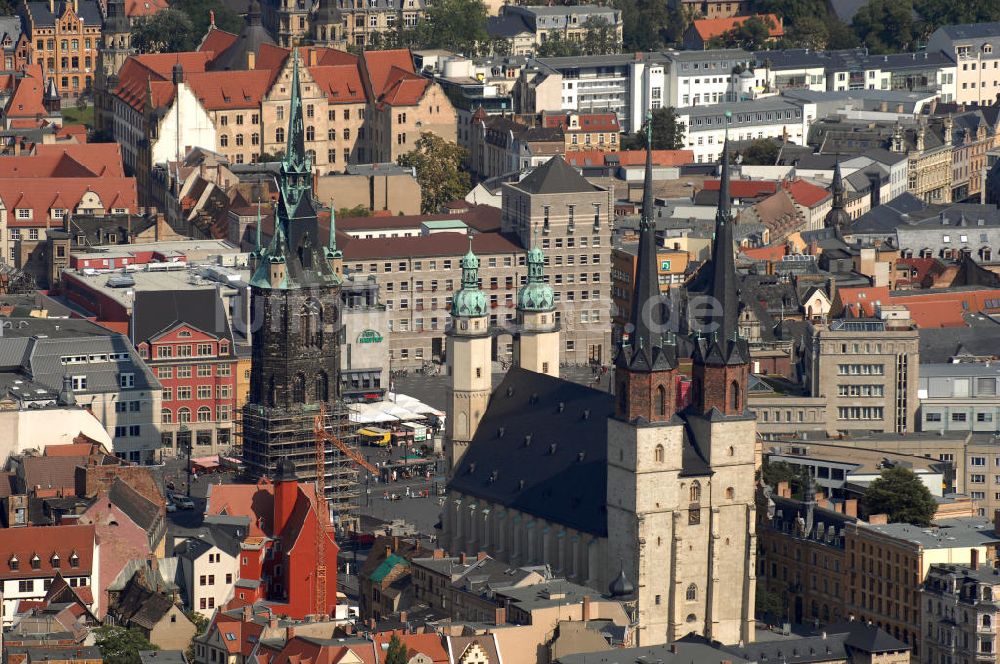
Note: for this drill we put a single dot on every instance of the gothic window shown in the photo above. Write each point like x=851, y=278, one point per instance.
x=310, y=323
x=692, y=593
x=661, y=401
x=272, y=394
x=658, y=454
x=694, y=493
x=730, y=493
x=322, y=386
x=299, y=389
x=184, y=415
x=734, y=396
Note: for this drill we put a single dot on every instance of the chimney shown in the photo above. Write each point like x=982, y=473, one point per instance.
x=247, y=613
x=438, y=554
x=313, y=57
x=500, y=616
x=784, y=490
x=251, y=61
x=481, y=555
x=403, y=615
x=395, y=542
x=974, y=563
x=586, y=608
x=289, y=632
x=461, y=558
x=851, y=507
x=273, y=623
x=673, y=648
x=878, y=519
x=388, y=550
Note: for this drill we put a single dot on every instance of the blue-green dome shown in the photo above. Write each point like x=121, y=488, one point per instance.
x=469, y=301
x=536, y=295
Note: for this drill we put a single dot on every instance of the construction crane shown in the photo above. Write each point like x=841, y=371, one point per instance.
x=322, y=509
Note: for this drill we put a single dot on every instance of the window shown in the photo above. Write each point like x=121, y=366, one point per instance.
x=658, y=454
x=279, y=135
x=79, y=383
x=126, y=380
x=694, y=493
x=204, y=414
x=692, y=593
x=184, y=415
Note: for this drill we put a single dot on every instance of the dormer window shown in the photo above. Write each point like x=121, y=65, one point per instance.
x=74, y=560
x=55, y=561
x=14, y=563
x=36, y=562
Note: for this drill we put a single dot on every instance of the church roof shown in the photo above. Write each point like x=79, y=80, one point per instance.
x=542, y=449
x=251, y=38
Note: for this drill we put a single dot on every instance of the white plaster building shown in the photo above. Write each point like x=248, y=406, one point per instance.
x=706, y=126
x=210, y=566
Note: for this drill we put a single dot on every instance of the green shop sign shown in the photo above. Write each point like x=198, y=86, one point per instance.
x=369, y=337
x=665, y=265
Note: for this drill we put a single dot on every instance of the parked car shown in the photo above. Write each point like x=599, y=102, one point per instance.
x=171, y=507
x=183, y=502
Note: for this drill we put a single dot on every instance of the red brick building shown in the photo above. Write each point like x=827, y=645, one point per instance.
x=278, y=556
x=186, y=339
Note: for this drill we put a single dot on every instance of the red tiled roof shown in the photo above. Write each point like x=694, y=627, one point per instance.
x=629, y=157
x=44, y=194
x=340, y=83
x=861, y=300
x=745, y=188
x=28, y=93
x=772, y=252
x=136, y=8
x=805, y=193
x=922, y=270
x=437, y=244
x=425, y=644
x=298, y=650
x=66, y=160
x=152, y=72
x=378, y=66
x=239, y=637
x=216, y=41
x=221, y=90
x=44, y=541
x=255, y=501
x=709, y=28
x=587, y=122
x=69, y=449
x=403, y=88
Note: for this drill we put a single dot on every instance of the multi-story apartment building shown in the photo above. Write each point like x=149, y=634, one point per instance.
x=288, y=20
x=976, y=50
x=64, y=37
x=960, y=620
x=867, y=371
x=186, y=340
x=971, y=136
x=33, y=556
x=358, y=23
x=502, y=146
x=210, y=567
x=713, y=8
x=528, y=27
x=959, y=397
x=91, y=367
x=775, y=117
x=585, y=131
x=888, y=563
x=671, y=268
x=574, y=219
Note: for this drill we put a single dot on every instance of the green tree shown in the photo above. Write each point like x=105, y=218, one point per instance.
x=647, y=25
x=356, y=211
x=901, y=495
x=557, y=47
x=767, y=603
x=600, y=37
x=201, y=11
x=438, y=164
x=668, y=132
x=762, y=152
x=121, y=646
x=458, y=25
x=396, y=654
x=168, y=31
x=809, y=32
x=887, y=26
x=775, y=472
x=200, y=623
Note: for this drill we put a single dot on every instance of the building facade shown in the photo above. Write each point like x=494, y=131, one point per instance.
x=65, y=36
x=961, y=616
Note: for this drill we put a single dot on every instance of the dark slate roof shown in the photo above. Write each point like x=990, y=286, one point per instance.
x=565, y=484
x=143, y=512
x=886, y=217
x=155, y=312
x=89, y=11
x=506, y=25
x=555, y=177
x=971, y=30
x=980, y=338
x=225, y=538
x=250, y=39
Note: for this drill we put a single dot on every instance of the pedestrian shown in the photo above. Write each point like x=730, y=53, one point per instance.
x=407, y=491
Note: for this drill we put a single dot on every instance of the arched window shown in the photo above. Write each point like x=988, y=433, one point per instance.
x=322, y=386
x=734, y=396
x=224, y=141
x=166, y=416
x=694, y=493
x=255, y=139
x=692, y=593
x=732, y=451
x=658, y=454
x=204, y=414
x=987, y=621
x=730, y=493
x=661, y=401
x=184, y=415
x=239, y=140
x=299, y=389
x=310, y=323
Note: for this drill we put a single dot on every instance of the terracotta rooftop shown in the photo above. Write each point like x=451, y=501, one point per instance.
x=709, y=28
x=45, y=542
x=805, y=193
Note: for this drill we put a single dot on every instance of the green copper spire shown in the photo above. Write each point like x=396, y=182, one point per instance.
x=331, y=246
x=469, y=300
x=535, y=295
x=295, y=149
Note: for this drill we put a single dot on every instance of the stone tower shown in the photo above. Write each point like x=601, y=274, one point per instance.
x=680, y=480
x=536, y=343
x=327, y=23
x=837, y=218
x=295, y=290
x=113, y=49
x=469, y=362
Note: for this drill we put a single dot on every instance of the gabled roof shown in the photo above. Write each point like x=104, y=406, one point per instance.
x=142, y=511
x=424, y=644
x=155, y=312
x=555, y=177
x=216, y=41
x=805, y=193
x=44, y=194
x=43, y=542
x=29, y=90
x=341, y=83
x=378, y=65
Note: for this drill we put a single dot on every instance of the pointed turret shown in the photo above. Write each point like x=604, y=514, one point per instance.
x=646, y=361
x=721, y=357
x=295, y=244
x=837, y=218
x=469, y=301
